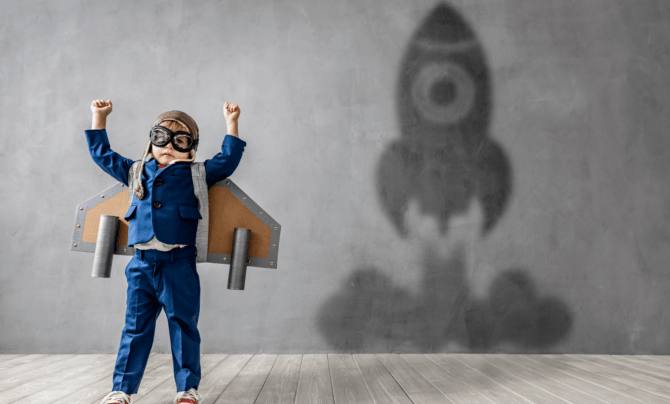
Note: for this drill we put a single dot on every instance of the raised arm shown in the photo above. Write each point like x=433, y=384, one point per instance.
x=224, y=163
x=110, y=161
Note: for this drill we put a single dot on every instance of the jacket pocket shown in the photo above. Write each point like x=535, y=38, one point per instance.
x=131, y=212
x=189, y=212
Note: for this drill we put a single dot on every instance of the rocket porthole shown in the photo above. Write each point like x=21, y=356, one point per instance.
x=443, y=92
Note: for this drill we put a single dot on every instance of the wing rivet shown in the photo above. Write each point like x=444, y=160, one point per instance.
x=75, y=245
x=125, y=250
x=275, y=228
x=248, y=261
x=244, y=199
x=224, y=258
x=274, y=245
x=81, y=208
x=261, y=213
x=102, y=196
x=272, y=263
x=78, y=226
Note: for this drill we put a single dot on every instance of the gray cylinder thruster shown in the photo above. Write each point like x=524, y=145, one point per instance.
x=239, y=259
x=104, y=246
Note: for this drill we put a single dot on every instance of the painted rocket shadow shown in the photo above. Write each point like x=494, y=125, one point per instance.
x=445, y=161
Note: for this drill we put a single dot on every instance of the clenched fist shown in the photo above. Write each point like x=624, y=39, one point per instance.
x=101, y=107
x=231, y=111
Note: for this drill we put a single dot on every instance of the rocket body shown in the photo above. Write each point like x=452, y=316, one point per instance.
x=444, y=157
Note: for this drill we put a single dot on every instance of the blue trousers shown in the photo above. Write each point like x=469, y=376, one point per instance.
x=156, y=280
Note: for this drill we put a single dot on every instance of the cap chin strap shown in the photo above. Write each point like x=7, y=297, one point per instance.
x=138, y=188
x=189, y=160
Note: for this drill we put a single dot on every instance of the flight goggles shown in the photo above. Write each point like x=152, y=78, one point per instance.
x=182, y=141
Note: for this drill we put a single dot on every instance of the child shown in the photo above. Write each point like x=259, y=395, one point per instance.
x=162, y=219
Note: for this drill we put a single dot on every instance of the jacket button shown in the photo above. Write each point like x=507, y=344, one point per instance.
x=157, y=205
x=159, y=182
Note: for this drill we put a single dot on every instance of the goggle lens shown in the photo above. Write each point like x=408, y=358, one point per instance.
x=183, y=141
x=159, y=137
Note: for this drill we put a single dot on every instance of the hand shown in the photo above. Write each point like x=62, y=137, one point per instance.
x=101, y=107
x=231, y=111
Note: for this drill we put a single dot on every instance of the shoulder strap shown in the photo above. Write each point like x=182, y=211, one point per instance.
x=131, y=180
x=200, y=188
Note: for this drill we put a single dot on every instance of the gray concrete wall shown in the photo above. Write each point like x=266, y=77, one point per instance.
x=508, y=195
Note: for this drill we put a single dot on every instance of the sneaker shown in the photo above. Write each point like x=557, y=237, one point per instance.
x=187, y=397
x=117, y=397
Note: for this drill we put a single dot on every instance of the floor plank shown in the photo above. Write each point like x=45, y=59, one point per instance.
x=663, y=367
x=599, y=377
x=30, y=368
x=19, y=360
x=80, y=364
x=246, y=386
x=419, y=390
x=662, y=359
x=166, y=391
x=626, y=369
x=514, y=383
x=453, y=387
x=72, y=384
x=580, y=384
x=159, y=365
x=651, y=390
x=655, y=370
x=314, y=385
x=348, y=384
x=9, y=357
x=383, y=388
x=216, y=381
x=492, y=390
x=546, y=382
x=282, y=383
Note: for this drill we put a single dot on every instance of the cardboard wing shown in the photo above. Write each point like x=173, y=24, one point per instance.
x=229, y=207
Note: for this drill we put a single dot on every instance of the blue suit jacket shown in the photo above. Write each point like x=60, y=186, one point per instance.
x=169, y=209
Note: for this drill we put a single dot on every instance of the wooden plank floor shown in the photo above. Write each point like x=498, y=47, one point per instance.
x=353, y=379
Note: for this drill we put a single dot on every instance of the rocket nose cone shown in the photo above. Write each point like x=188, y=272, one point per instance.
x=444, y=24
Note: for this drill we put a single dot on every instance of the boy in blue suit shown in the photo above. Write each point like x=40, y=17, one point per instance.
x=162, y=220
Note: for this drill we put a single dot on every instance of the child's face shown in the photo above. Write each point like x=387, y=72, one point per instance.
x=164, y=155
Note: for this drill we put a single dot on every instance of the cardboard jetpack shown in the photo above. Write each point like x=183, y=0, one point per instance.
x=229, y=208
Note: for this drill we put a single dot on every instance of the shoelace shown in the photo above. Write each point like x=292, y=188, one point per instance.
x=116, y=397
x=190, y=396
